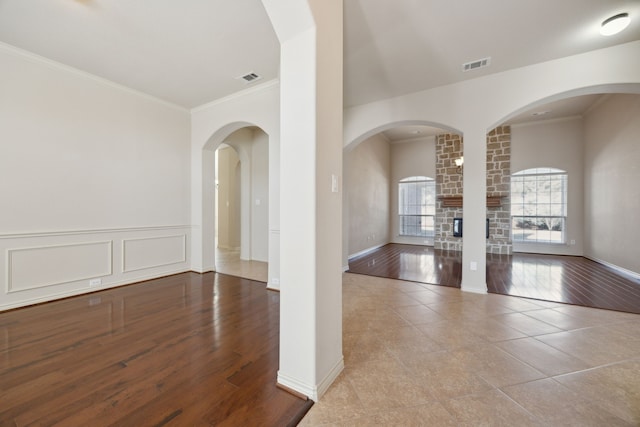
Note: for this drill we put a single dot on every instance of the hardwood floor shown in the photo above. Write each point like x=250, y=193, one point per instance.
x=565, y=279
x=411, y=262
x=188, y=349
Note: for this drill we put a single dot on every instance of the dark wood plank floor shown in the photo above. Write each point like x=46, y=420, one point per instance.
x=411, y=262
x=564, y=279
x=188, y=349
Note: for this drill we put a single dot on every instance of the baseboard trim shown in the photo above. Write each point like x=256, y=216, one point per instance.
x=372, y=248
x=330, y=378
x=295, y=385
x=86, y=291
x=312, y=392
x=617, y=268
x=292, y=391
x=474, y=289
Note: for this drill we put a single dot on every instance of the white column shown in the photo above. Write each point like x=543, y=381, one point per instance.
x=274, y=212
x=474, y=211
x=246, y=205
x=310, y=209
x=203, y=182
x=345, y=214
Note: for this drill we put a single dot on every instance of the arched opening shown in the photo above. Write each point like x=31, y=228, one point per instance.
x=388, y=212
x=236, y=202
x=572, y=178
x=228, y=213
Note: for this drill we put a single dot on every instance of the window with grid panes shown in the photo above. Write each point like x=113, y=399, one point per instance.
x=539, y=205
x=417, y=206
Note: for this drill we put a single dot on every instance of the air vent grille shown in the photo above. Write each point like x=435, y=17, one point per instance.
x=250, y=77
x=474, y=65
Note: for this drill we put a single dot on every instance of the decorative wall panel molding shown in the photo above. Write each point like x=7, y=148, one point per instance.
x=32, y=234
x=42, y=266
x=150, y=252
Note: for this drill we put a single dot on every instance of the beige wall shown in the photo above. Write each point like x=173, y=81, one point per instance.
x=415, y=157
x=228, y=198
x=612, y=177
x=260, y=196
x=246, y=219
x=556, y=144
x=368, y=172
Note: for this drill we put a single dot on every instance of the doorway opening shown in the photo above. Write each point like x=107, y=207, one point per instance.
x=242, y=198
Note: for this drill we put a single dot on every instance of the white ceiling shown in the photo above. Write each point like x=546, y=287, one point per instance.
x=571, y=107
x=411, y=132
x=402, y=46
x=187, y=52
x=190, y=52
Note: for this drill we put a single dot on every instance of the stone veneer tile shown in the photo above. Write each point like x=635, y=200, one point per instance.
x=449, y=183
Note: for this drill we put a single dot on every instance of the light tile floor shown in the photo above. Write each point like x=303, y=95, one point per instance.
x=228, y=262
x=424, y=355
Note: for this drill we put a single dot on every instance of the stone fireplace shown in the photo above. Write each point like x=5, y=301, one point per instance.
x=499, y=185
x=450, y=147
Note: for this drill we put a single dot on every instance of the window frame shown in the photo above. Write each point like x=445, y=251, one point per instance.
x=424, y=205
x=549, y=221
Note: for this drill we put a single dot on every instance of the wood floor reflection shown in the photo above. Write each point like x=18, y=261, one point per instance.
x=564, y=279
x=187, y=349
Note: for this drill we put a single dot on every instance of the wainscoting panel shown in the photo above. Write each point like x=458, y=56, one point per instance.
x=38, y=267
x=150, y=252
x=46, y=265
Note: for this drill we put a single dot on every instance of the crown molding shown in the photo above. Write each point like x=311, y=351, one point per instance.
x=16, y=51
x=240, y=94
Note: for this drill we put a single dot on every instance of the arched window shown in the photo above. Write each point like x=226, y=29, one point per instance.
x=539, y=205
x=417, y=206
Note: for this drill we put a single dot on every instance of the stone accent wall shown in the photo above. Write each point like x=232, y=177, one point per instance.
x=448, y=183
x=499, y=184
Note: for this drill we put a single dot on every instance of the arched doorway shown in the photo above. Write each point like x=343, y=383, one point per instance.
x=242, y=217
x=386, y=208
x=236, y=199
x=580, y=149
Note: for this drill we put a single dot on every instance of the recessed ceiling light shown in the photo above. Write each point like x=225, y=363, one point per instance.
x=615, y=24
x=540, y=113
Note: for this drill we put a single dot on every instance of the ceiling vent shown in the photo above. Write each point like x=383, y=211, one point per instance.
x=250, y=77
x=474, y=65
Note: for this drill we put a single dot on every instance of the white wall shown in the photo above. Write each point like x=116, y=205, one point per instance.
x=311, y=154
x=612, y=175
x=557, y=144
x=94, y=180
x=251, y=195
x=260, y=196
x=415, y=157
x=474, y=107
x=211, y=125
x=229, y=209
x=368, y=177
